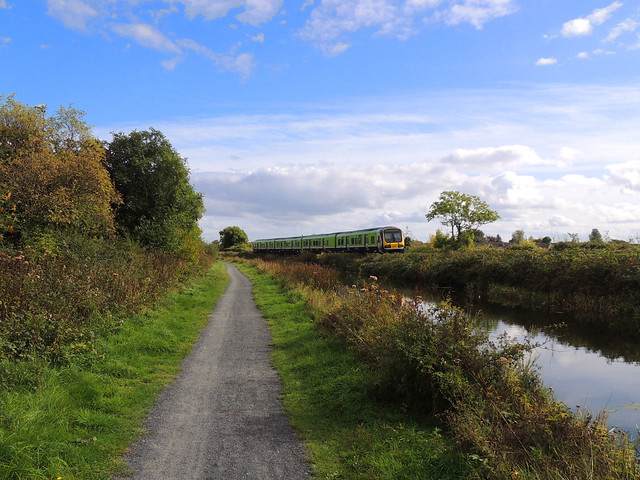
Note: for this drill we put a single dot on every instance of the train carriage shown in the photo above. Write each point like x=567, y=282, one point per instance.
x=381, y=239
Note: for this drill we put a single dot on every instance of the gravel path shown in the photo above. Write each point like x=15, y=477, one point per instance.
x=223, y=418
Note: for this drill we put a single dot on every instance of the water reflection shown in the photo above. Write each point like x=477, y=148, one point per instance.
x=585, y=369
x=583, y=378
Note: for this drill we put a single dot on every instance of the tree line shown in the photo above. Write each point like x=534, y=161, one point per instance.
x=465, y=214
x=56, y=176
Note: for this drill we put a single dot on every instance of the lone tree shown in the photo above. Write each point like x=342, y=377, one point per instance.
x=595, y=236
x=232, y=236
x=463, y=213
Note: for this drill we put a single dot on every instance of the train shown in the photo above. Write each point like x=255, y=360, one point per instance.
x=379, y=239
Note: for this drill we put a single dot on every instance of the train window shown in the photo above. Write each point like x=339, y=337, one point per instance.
x=392, y=236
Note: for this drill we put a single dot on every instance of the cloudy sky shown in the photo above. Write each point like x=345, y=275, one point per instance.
x=301, y=117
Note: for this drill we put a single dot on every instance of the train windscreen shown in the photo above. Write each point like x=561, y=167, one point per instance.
x=392, y=236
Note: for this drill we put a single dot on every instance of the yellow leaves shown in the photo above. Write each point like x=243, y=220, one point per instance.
x=54, y=171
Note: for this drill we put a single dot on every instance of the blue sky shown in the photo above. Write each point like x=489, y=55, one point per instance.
x=325, y=115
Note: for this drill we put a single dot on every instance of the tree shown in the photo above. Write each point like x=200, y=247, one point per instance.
x=463, y=213
x=232, y=236
x=517, y=237
x=408, y=237
x=160, y=207
x=595, y=236
x=52, y=173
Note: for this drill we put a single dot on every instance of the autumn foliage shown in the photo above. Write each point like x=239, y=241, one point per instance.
x=68, y=270
x=52, y=173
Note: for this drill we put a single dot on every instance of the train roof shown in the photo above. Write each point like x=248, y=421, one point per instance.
x=327, y=234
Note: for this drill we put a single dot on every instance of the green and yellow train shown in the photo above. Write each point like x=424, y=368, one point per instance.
x=380, y=239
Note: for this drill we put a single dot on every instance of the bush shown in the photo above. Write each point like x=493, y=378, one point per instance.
x=436, y=361
x=58, y=294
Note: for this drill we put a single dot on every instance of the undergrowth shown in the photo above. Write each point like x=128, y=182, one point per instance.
x=60, y=293
x=489, y=395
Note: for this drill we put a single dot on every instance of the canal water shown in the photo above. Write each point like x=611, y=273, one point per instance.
x=587, y=371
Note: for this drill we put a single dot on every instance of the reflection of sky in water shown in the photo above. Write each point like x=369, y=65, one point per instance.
x=579, y=377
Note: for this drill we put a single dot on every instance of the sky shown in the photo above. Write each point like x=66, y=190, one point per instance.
x=315, y=116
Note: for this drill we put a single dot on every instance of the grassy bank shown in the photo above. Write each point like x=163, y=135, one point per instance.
x=75, y=419
x=360, y=366
x=348, y=433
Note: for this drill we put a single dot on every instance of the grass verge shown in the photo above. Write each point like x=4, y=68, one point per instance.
x=348, y=434
x=77, y=421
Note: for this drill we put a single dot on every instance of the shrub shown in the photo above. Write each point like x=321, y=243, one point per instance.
x=489, y=395
x=58, y=294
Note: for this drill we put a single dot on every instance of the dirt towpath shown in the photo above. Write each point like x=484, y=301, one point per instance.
x=222, y=418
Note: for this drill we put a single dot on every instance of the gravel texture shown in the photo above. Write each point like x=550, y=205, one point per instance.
x=222, y=418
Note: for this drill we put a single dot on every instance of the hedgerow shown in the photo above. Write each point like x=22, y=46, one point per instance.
x=58, y=294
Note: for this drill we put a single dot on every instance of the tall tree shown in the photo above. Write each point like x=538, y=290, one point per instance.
x=52, y=174
x=232, y=236
x=160, y=206
x=463, y=213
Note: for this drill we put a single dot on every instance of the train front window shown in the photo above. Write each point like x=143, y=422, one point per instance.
x=392, y=236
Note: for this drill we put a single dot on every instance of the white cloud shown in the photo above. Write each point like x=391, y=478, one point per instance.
x=478, y=12
x=629, y=25
x=583, y=55
x=601, y=51
x=584, y=25
x=543, y=62
x=147, y=36
x=255, y=11
x=577, y=27
x=172, y=63
x=497, y=157
x=625, y=175
x=244, y=63
x=337, y=49
x=333, y=21
x=560, y=221
x=3, y=4
x=258, y=38
x=72, y=13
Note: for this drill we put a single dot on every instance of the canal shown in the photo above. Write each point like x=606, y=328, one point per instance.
x=588, y=371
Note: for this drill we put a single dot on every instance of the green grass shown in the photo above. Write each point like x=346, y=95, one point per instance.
x=76, y=421
x=348, y=434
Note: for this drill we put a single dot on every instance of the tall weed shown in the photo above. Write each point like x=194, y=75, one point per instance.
x=435, y=361
x=59, y=293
